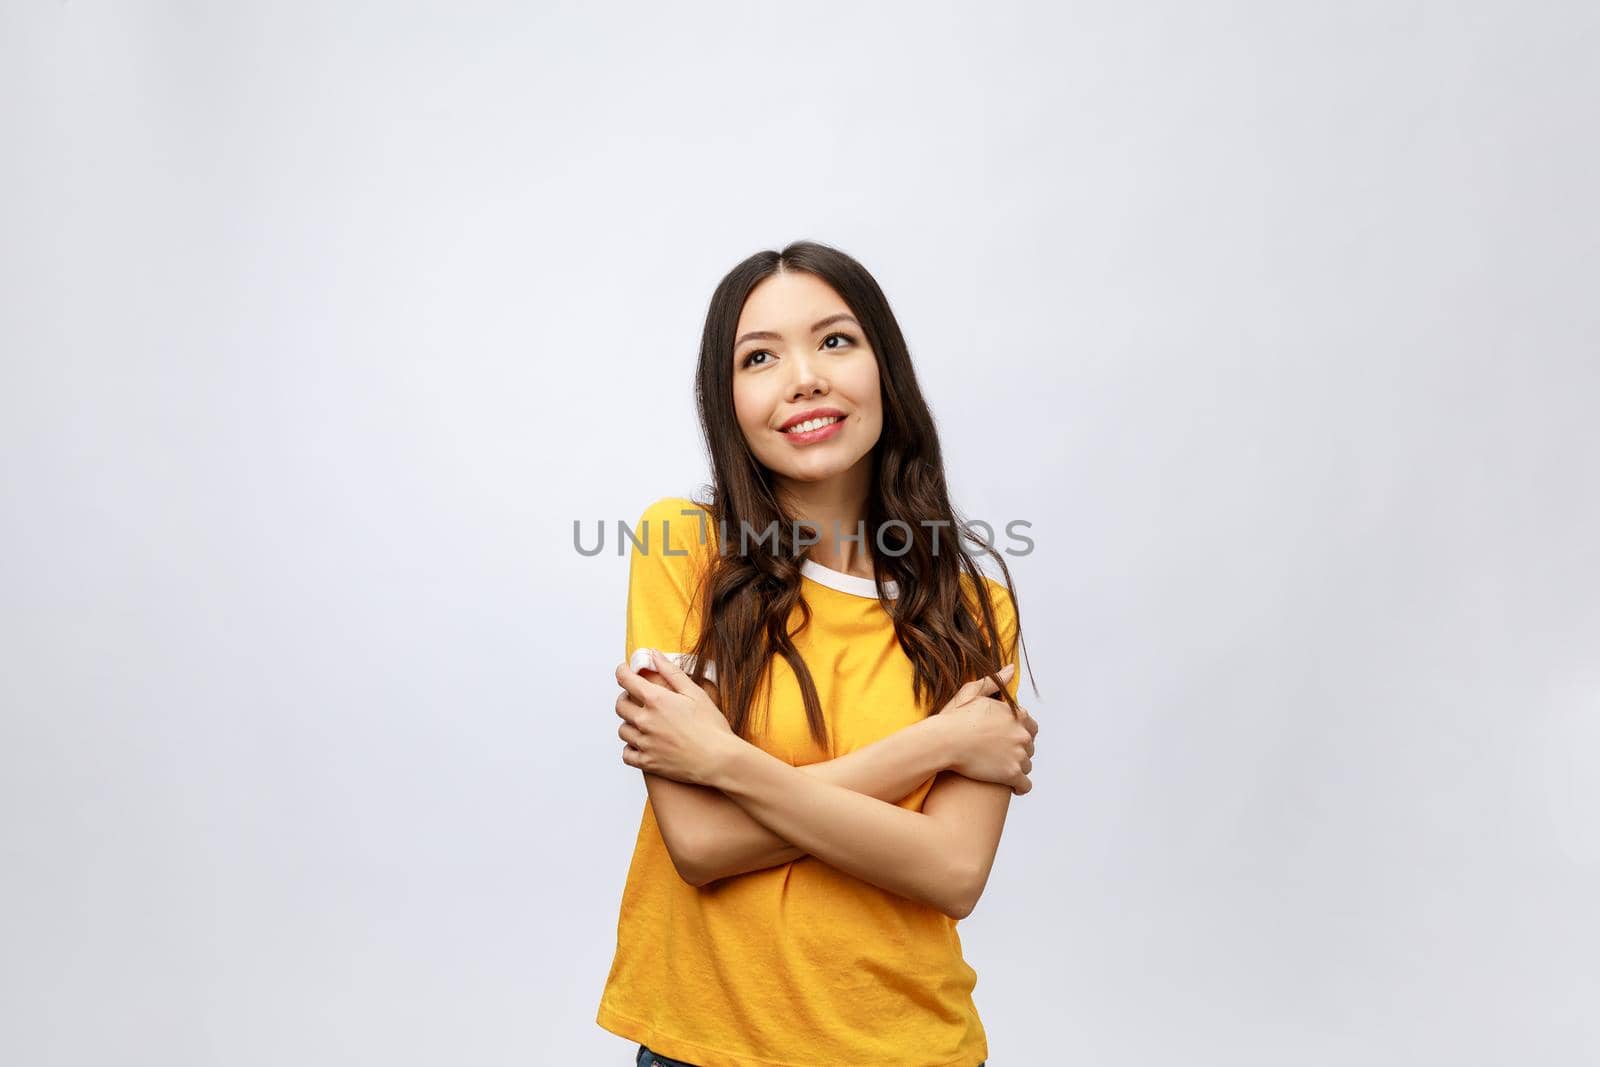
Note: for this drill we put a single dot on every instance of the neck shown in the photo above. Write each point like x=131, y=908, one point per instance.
x=837, y=509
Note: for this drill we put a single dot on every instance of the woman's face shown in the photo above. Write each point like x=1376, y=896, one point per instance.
x=807, y=352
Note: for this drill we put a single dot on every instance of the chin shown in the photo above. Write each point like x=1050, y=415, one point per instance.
x=818, y=473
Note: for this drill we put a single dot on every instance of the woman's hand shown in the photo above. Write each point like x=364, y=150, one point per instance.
x=672, y=727
x=990, y=743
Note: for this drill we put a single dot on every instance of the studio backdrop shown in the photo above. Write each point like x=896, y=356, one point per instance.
x=324, y=327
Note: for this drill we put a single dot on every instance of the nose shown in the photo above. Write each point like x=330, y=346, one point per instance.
x=807, y=381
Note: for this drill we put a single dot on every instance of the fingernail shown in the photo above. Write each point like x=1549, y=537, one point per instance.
x=1008, y=668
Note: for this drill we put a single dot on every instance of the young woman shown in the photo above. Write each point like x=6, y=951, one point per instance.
x=820, y=688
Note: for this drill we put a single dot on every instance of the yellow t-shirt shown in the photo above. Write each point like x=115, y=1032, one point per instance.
x=799, y=964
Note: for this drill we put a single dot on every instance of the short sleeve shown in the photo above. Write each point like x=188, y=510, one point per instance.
x=1005, y=617
x=671, y=544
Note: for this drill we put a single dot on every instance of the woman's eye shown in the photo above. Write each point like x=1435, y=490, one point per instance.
x=750, y=359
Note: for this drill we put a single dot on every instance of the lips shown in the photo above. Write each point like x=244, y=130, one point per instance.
x=806, y=438
x=812, y=426
x=806, y=416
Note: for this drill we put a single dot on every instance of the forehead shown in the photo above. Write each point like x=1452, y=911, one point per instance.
x=788, y=303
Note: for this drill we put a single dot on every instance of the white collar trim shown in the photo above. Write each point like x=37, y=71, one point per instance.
x=853, y=584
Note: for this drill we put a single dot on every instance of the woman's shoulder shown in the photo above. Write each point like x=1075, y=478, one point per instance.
x=671, y=507
x=996, y=588
x=1000, y=600
x=677, y=521
x=678, y=510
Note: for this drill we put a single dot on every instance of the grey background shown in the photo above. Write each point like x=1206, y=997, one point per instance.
x=322, y=323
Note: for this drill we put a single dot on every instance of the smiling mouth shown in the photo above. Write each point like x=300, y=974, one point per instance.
x=813, y=424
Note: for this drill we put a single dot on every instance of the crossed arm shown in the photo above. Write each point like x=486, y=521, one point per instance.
x=710, y=836
x=758, y=811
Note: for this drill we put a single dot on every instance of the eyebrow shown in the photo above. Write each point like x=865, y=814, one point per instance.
x=768, y=335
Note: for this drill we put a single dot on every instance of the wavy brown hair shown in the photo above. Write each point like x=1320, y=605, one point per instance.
x=746, y=599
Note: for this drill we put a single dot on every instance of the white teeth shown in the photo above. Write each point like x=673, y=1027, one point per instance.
x=813, y=424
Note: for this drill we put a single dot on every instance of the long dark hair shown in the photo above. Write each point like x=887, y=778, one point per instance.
x=746, y=598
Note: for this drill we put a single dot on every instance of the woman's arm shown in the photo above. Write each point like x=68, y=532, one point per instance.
x=710, y=836
x=941, y=855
